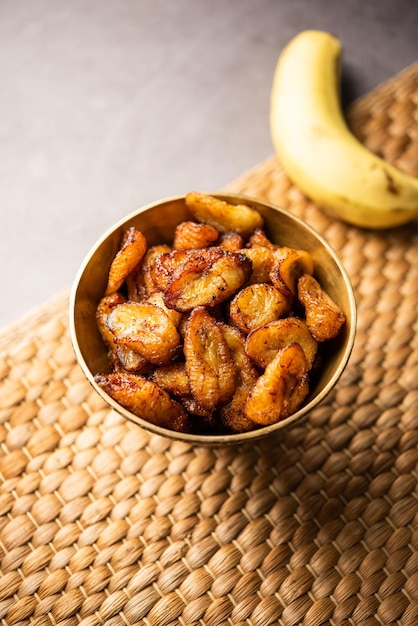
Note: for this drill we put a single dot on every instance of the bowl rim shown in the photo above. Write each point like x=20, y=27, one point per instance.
x=227, y=438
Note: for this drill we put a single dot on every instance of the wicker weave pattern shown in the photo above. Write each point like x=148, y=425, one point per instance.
x=101, y=523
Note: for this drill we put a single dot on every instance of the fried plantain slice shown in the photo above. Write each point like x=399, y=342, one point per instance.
x=235, y=339
x=288, y=266
x=194, y=408
x=190, y=235
x=147, y=279
x=231, y=241
x=135, y=289
x=145, y=399
x=256, y=305
x=323, y=316
x=263, y=343
x=232, y=414
x=206, y=278
x=120, y=357
x=132, y=251
x=282, y=388
x=224, y=216
x=130, y=361
x=259, y=239
x=209, y=365
x=173, y=378
x=103, y=310
x=158, y=298
x=262, y=259
x=146, y=329
x=166, y=264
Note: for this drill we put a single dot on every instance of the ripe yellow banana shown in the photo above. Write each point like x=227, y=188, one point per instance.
x=318, y=151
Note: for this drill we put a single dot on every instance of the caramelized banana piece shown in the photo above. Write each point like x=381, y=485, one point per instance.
x=217, y=312
x=134, y=282
x=158, y=298
x=263, y=343
x=130, y=361
x=145, y=279
x=323, y=316
x=282, y=388
x=119, y=356
x=235, y=341
x=222, y=215
x=103, y=310
x=256, y=305
x=232, y=414
x=206, y=278
x=173, y=378
x=289, y=265
x=148, y=276
x=191, y=235
x=145, y=399
x=262, y=259
x=132, y=251
x=146, y=329
x=231, y=241
x=209, y=365
x=194, y=408
x=259, y=239
x=166, y=264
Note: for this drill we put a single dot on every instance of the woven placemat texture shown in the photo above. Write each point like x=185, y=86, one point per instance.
x=103, y=523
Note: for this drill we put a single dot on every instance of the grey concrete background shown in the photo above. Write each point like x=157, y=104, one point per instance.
x=108, y=104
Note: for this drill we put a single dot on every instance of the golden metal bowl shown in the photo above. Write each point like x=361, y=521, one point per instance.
x=157, y=222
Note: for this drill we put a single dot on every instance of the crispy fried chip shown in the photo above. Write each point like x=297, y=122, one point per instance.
x=145, y=399
x=206, y=278
x=192, y=235
x=209, y=365
x=289, y=265
x=225, y=217
x=256, y=305
x=282, y=388
x=323, y=316
x=146, y=329
x=133, y=249
x=263, y=343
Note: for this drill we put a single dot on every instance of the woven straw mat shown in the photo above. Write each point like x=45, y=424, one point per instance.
x=103, y=523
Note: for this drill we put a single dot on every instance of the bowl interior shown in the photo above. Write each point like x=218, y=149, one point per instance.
x=158, y=222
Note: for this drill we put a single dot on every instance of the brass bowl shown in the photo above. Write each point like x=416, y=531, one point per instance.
x=157, y=221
